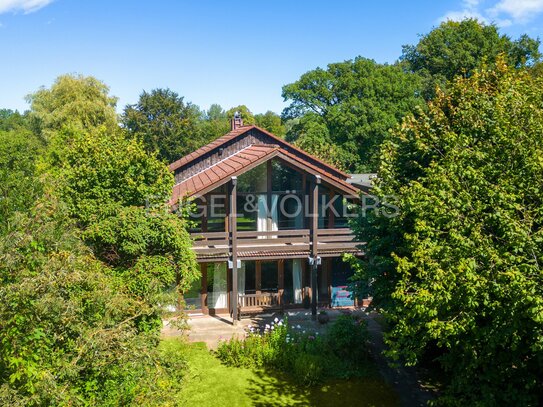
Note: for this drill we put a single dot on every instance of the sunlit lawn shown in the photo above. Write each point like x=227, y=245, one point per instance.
x=209, y=383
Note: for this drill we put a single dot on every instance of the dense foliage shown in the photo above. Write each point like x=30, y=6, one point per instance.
x=458, y=270
x=69, y=330
x=165, y=123
x=18, y=186
x=347, y=109
x=457, y=48
x=87, y=252
x=172, y=128
x=309, y=357
x=80, y=102
x=272, y=122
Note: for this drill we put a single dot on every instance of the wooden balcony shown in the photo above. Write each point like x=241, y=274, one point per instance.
x=252, y=245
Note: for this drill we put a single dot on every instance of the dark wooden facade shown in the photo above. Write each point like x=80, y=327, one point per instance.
x=314, y=245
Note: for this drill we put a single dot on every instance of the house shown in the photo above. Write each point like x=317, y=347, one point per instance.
x=270, y=224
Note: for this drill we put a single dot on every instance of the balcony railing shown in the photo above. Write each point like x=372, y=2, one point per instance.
x=336, y=239
x=288, y=242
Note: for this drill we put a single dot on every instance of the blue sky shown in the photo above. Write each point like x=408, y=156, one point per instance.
x=222, y=52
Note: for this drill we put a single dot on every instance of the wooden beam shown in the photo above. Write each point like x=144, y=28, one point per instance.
x=314, y=240
x=203, y=289
x=305, y=288
x=281, y=280
x=329, y=279
x=234, y=247
x=331, y=215
x=258, y=277
x=269, y=195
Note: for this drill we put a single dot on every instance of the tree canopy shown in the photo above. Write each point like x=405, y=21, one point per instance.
x=89, y=255
x=272, y=122
x=164, y=123
x=349, y=108
x=76, y=101
x=458, y=270
x=457, y=48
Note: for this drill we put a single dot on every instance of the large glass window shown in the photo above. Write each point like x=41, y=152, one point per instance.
x=288, y=189
x=269, y=276
x=209, y=211
x=252, y=199
x=192, y=296
x=285, y=178
x=216, y=211
x=324, y=215
x=249, y=283
x=217, y=293
x=341, y=272
x=293, y=281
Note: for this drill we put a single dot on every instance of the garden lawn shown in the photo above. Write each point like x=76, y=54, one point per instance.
x=210, y=383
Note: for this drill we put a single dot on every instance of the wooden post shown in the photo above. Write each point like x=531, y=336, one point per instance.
x=331, y=210
x=234, y=246
x=203, y=290
x=269, y=195
x=329, y=264
x=258, y=277
x=281, y=281
x=314, y=241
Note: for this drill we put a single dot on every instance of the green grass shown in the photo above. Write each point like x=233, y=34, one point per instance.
x=209, y=383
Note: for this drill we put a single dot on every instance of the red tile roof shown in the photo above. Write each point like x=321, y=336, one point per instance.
x=239, y=131
x=215, y=175
x=208, y=147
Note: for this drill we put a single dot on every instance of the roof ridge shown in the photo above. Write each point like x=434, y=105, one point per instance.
x=225, y=158
x=238, y=132
x=207, y=147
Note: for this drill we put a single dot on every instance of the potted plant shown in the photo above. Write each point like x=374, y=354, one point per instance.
x=323, y=317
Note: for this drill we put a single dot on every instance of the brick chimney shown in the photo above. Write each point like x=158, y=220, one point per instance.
x=236, y=122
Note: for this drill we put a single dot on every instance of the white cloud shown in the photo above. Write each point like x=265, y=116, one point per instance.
x=26, y=6
x=469, y=10
x=519, y=11
x=504, y=12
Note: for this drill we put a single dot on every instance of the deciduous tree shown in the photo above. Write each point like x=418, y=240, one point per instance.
x=351, y=105
x=459, y=270
x=165, y=123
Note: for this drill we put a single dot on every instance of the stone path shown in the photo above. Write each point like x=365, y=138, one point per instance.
x=404, y=380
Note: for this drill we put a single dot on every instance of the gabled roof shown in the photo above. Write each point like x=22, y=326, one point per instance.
x=209, y=147
x=240, y=131
x=215, y=175
x=196, y=174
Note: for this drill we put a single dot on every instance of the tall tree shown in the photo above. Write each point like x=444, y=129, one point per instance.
x=214, y=123
x=458, y=271
x=272, y=122
x=457, y=48
x=112, y=188
x=70, y=332
x=76, y=101
x=10, y=120
x=165, y=123
x=351, y=105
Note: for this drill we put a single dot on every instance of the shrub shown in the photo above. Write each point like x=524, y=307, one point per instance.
x=347, y=338
x=257, y=349
x=308, y=368
x=308, y=357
